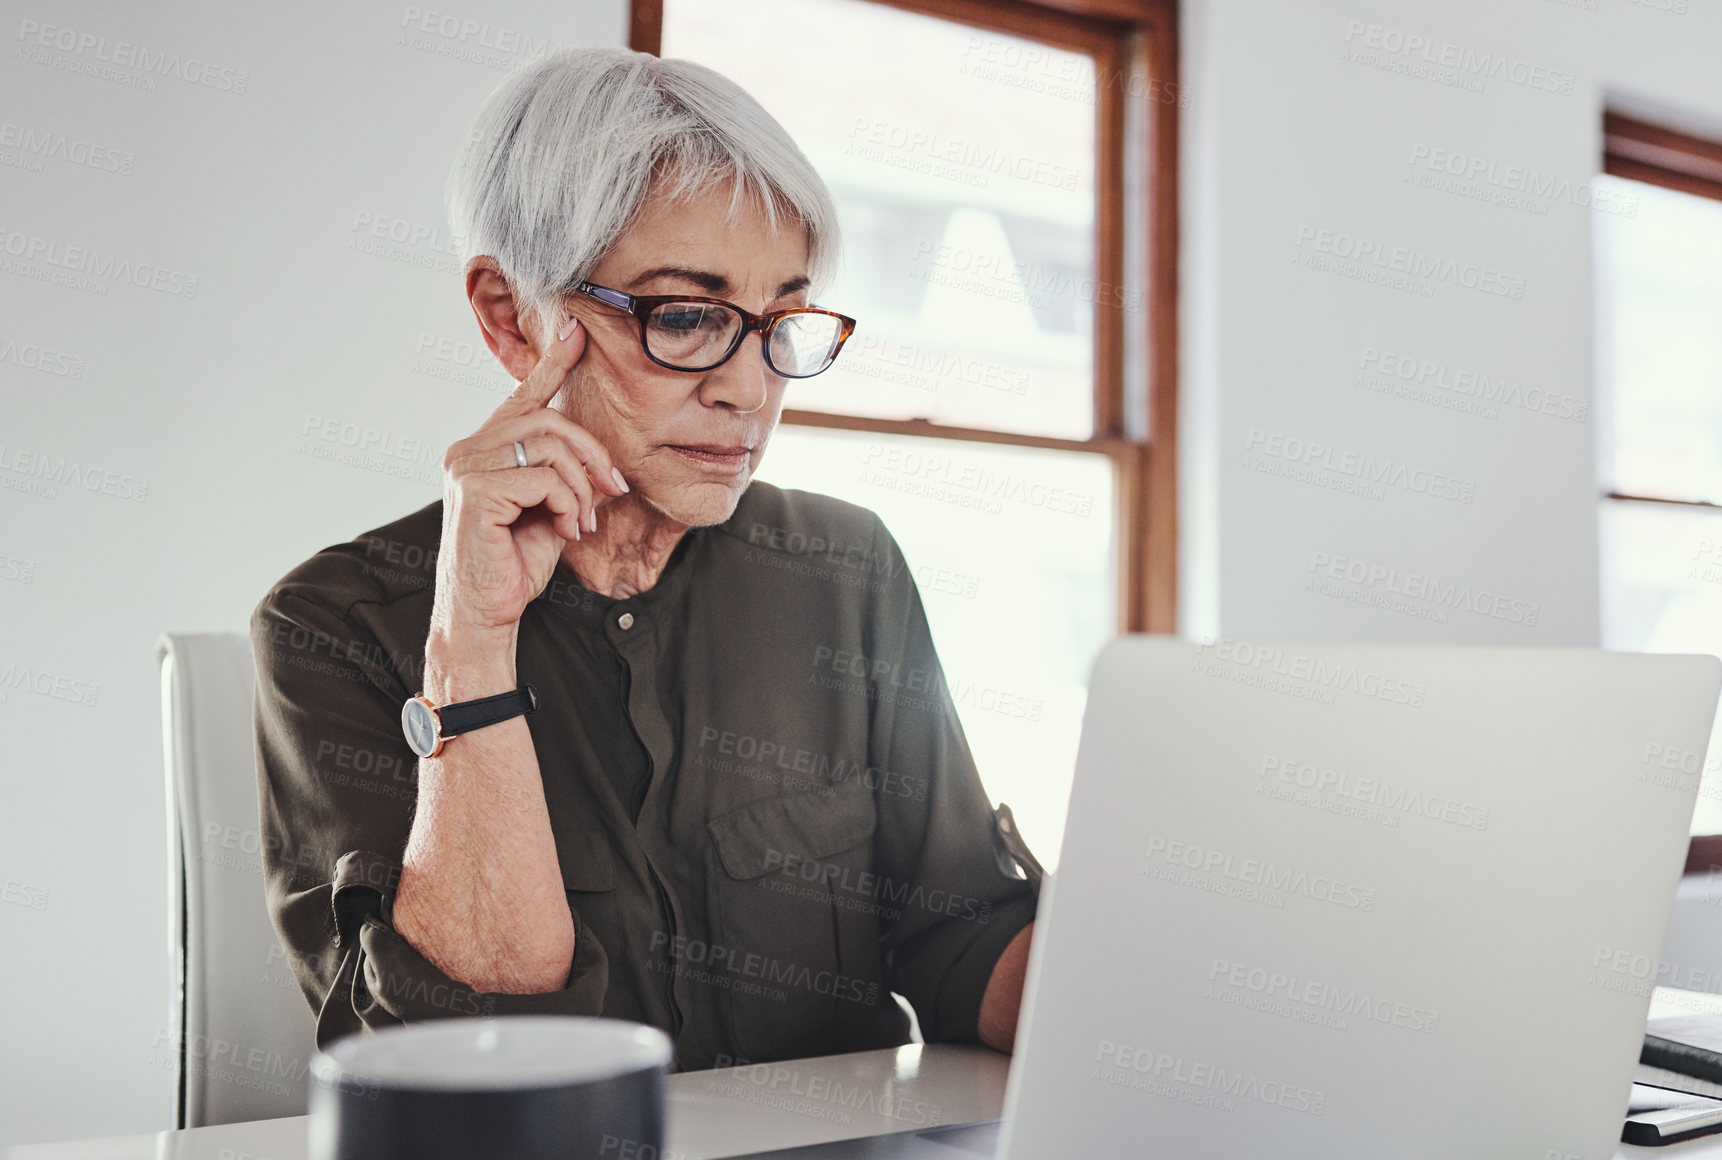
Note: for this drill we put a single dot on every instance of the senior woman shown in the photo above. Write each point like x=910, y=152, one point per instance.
x=591, y=735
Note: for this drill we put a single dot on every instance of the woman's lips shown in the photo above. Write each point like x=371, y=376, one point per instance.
x=716, y=454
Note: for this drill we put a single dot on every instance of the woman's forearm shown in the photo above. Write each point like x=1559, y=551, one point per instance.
x=1002, y=1002
x=481, y=893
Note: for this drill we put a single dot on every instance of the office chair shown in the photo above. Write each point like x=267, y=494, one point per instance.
x=239, y=1021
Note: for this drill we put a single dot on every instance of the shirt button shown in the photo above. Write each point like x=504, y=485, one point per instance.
x=625, y=621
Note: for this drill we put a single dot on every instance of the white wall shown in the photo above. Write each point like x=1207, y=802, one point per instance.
x=1284, y=135
x=346, y=110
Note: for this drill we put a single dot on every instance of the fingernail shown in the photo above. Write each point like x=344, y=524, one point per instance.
x=616, y=473
x=568, y=328
x=592, y=521
x=576, y=527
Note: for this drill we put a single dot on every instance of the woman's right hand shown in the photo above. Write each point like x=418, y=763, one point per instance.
x=504, y=526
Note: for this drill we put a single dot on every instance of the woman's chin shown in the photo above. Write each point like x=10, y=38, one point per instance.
x=699, y=503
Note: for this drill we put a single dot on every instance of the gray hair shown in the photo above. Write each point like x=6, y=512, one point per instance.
x=567, y=147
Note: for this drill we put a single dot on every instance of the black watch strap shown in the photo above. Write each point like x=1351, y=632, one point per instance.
x=465, y=716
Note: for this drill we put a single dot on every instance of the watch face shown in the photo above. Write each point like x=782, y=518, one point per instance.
x=419, y=724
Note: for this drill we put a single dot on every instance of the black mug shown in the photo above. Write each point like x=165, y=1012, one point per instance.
x=526, y=1087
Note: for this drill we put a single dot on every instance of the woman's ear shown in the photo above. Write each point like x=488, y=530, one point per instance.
x=507, y=332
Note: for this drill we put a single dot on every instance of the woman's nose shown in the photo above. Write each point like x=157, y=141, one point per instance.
x=742, y=382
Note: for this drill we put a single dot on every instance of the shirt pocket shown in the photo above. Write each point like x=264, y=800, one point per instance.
x=795, y=942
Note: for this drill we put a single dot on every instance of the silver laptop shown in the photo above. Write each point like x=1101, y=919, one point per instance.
x=1351, y=902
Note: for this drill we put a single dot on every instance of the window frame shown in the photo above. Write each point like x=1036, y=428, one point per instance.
x=1658, y=154
x=1136, y=242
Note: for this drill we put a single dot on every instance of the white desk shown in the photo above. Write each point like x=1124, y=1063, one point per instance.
x=723, y=1113
x=711, y=1113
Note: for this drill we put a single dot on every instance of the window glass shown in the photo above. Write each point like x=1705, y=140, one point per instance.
x=964, y=175
x=1659, y=359
x=1660, y=290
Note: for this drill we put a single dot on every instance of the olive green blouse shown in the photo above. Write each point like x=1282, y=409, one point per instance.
x=766, y=815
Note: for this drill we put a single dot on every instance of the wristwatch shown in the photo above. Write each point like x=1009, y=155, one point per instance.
x=428, y=727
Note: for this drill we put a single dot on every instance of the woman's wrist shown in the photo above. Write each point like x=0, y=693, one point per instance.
x=463, y=665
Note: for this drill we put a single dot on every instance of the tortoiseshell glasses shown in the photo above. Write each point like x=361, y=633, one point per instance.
x=686, y=332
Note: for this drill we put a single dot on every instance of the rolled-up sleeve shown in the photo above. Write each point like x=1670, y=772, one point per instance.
x=336, y=786
x=938, y=841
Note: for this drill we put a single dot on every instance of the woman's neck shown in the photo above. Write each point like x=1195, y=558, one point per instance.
x=627, y=553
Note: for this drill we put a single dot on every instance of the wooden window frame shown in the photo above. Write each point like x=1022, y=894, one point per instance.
x=1132, y=42
x=1658, y=155
x=1652, y=153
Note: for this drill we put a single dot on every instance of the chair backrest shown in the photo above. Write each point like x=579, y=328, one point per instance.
x=244, y=1033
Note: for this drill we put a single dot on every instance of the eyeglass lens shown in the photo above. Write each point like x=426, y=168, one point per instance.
x=695, y=335
x=690, y=334
x=803, y=344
